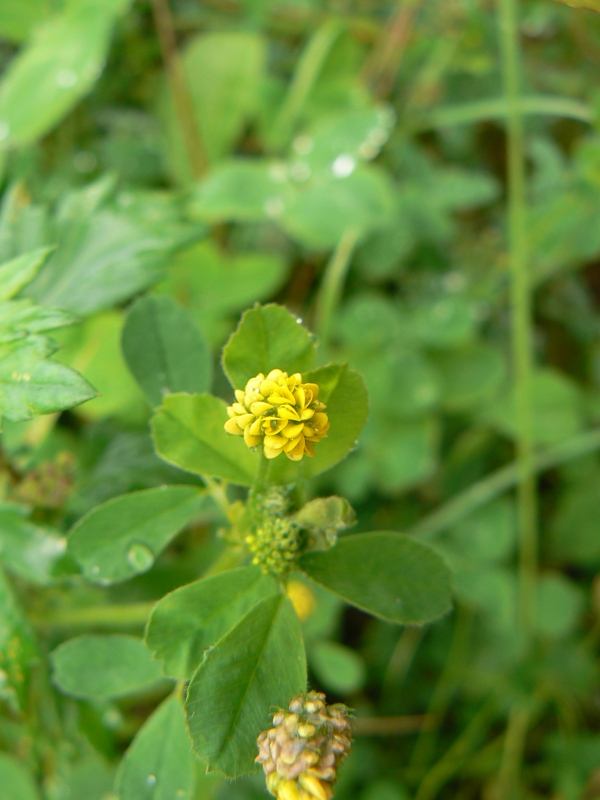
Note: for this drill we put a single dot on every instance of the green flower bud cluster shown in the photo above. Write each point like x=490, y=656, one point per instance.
x=302, y=752
x=274, y=540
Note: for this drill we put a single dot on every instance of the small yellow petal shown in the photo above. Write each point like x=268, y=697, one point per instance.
x=288, y=790
x=231, y=426
x=256, y=427
x=274, y=375
x=287, y=412
x=250, y=440
x=260, y=407
x=272, y=453
x=309, y=448
x=239, y=395
x=291, y=431
x=244, y=419
x=275, y=442
x=306, y=413
x=272, y=425
x=314, y=786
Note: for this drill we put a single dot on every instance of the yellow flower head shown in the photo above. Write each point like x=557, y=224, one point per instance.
x=279, y=412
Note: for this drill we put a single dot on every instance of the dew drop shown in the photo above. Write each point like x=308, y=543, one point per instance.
x=151, y=780
x=140, y=556
x=343, y=166
x=274, y=207
x=95, y=570
x=66, y=78
x=300, y=171
x=4, y=130
x=302, y=145
x=278, y=172
x=368, y=151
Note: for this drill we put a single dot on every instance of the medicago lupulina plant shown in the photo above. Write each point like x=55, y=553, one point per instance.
x=231, y=643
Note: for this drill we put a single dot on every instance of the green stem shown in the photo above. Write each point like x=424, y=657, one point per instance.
x=332, y=285
x=262, y=474
x=499, y=482
x=308, y=69
x=498, y=108
x=218, y=492
x=131, y=615
x=453, y=759
x=444, y=689
x=522, y=338
x=514, y=745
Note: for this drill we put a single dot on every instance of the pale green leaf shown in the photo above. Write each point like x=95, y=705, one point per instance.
x=188, y=432
x=18, y=272
x=16, y=780
x=267, y=337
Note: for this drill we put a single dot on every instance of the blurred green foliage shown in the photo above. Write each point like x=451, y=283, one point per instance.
x=347, y=160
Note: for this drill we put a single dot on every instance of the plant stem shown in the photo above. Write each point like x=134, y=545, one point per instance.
x=131, y=615
x=522, y=327
x=218, y=493
x=262, y=474
x=332, y=285
x=514, y=744
x=307, y=71
x=184, y=106
x=382, y=65
x=451, y=762
x=490, y=487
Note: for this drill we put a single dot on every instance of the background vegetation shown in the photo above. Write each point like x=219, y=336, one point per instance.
x=419, y=182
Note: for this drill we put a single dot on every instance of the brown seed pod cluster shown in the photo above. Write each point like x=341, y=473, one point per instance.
x=301, y=753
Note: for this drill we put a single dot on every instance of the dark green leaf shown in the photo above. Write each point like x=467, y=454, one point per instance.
x=385, y=573
x=259, y=665
x=159, y=764
x=94, y=667
x=164, y=349
x=268, y=337
x=188, y=432
x=123, y=536
x=194, y=617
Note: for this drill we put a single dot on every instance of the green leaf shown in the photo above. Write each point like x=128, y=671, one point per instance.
x=18, y=272
x=590, y=5
x=558, y=408
x=59, y=66
x=18, y=648
x=164, y=350
x=259, y=665
x=574, y=531
x=122, y=537
x=30, y=384
x=188, y=432
x=28, y=549
x=16, y=781
x=559, y=604
x=338, y=667
x=268, y=337
x=242, y=189
x=470, y=375
x=159, y=764
x=194, y=617
x=94, y=667
x=231, y=64
x=344, y=393
x=20, y=17
x=386, y=574
x=319, y=215
x=104, y=258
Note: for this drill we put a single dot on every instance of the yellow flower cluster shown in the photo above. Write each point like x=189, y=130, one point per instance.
x=279, y=412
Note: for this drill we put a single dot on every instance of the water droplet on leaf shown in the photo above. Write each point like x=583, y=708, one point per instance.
x=343, y=166
x=151, y=780
x=140, y=556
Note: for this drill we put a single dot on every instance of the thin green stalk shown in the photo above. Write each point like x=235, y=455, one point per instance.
x=514, y=745
x=332, y=285
x=445, y=687
x=307, y=71
x=461, y=750
x=490, y=487
x=522, y=327
x=498, y=108
x=262, y=474
x=130, y=615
